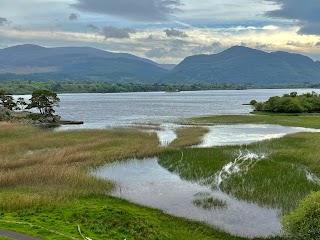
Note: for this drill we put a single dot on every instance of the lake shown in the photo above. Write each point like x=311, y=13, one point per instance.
x=122, y=109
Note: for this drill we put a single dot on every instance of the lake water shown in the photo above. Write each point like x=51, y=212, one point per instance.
x=121, y=109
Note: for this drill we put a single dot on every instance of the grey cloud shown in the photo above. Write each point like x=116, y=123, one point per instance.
x=312, y=28
x=178, y=49
x=317, y=44
x=3, y=21
x=262, y=46
x=150, y=37
x=306, y=13
x=215, y=47
x=158, y=52
x=299, y=44
x=175, y=49
x=73, y=17
x=175, y=33
x=113, y=32
x=142, y=10
x=93, y=28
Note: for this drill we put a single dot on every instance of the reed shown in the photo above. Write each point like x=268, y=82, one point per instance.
x=188, y=136
x=45, y=166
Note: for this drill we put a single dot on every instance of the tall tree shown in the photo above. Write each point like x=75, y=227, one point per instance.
x=44, y=100
x=6, y=100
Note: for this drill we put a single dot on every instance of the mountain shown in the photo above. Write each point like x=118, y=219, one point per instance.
x=76, y=63
x=239, y=65
x=244, y=65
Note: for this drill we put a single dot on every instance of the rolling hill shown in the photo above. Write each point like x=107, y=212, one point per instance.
x=76, y=63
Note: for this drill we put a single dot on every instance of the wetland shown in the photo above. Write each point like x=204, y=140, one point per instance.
x=234, y=173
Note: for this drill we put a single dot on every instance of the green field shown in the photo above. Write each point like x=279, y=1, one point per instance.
x=294, y=120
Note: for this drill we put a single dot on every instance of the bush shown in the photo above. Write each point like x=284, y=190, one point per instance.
x=304, y=222
x=291, y=103
x=253, y=102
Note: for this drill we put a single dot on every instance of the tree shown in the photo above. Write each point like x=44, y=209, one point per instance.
x=21, y=103
x=7, y=100
x=44, y=100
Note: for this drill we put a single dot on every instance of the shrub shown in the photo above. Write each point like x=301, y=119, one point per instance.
x=304, y=222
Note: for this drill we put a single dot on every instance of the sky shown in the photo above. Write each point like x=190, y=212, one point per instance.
x=165, y=31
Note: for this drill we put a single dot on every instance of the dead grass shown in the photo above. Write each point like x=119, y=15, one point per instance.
x=188, y=136
x=44, y=167
x=41, y=166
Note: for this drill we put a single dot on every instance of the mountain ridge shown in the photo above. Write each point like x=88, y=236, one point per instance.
x=65, y=63
x=235, y=65
x=246, y=66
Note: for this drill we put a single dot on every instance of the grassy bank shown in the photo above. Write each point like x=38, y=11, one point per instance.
x=295, y=120
x=101, y=217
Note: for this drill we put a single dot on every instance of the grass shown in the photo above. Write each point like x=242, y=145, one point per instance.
x=208, y=202
x=101, y=217
x=295, y=120
x=278, y=181
x=44, y=167
x=188, y=136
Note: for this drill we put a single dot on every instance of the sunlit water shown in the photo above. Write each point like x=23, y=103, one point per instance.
x=146, y=182
x=241, y=134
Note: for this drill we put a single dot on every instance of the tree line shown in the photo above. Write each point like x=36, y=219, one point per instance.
x=27, y=87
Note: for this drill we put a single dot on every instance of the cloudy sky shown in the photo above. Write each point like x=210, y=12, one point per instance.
x=165, y=31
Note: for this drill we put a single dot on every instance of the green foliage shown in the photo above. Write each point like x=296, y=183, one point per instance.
x=253, y=102
x=291, y=103
x=6, y=100
x=304, y=222
x=44, y=100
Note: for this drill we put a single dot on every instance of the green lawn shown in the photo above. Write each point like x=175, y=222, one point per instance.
x=102, y=217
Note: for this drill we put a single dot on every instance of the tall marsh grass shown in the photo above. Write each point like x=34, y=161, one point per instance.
x=39, y=166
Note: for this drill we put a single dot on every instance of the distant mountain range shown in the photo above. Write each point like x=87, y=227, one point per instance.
x=240, y=65
x=247, y=66
x=77, y=63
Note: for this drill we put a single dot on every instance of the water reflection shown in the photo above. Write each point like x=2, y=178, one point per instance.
x=147, y=183
x=240, y=134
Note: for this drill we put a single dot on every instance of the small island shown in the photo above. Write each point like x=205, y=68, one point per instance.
x=12, y=110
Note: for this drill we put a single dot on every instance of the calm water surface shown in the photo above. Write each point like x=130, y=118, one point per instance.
x=121, y=109
x=146, y=182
